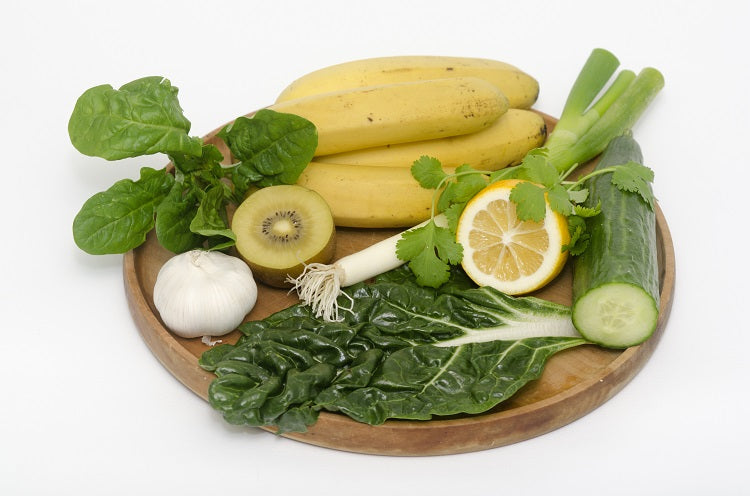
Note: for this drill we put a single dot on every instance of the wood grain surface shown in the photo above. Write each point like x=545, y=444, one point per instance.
x=574, y=381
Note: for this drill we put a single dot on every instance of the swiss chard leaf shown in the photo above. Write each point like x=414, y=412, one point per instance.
x=404, y=351
x=118, y=219
x=272, y=147
x=141, y=118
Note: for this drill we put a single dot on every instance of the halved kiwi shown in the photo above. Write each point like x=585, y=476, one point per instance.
x=281, y=228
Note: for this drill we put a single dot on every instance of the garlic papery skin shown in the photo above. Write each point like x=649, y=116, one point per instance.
x=204, y=293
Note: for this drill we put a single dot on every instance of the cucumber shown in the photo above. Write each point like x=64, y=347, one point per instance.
x=616, y=279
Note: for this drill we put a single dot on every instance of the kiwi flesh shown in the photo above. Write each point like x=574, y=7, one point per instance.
x=281, y=228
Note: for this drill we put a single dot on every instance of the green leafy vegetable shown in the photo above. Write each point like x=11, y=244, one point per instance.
x=211, y=218
x=403, y=351
x=636, y=178
x=118, y=219
x=173, y=218
x=144, y=117
x=430, y=250
x=428, y=171
x=272, y=148
x=141, y=118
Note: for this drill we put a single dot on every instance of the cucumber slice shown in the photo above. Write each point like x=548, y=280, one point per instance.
x=616, y=315
x=615, y=280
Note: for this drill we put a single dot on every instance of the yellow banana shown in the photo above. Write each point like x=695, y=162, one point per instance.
x=399, y=112
x=521, y=89
x=503, y=143
x=369, y=196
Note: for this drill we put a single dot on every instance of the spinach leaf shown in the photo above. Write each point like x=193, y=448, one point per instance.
x=404, y=351
x=211, y=220
x=144, y=117
x=272, y=147
x=118, y=219
x=173, y=218
x=141, y=118
x=209, y=160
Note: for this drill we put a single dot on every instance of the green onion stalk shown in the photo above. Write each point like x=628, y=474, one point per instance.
x=587, y=125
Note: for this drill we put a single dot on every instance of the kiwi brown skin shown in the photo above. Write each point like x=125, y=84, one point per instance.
x=278, y=277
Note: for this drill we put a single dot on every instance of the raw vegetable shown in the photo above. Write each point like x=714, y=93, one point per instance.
x=187, y=209
x=401, y=351
x=319, y=285
x=616, y=280
x=585, y=128
x=204, y=293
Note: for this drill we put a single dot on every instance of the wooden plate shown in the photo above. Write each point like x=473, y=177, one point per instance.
x=574, y=382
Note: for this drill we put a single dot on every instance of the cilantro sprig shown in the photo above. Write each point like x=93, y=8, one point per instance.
x=431, y=248
x=586, y=126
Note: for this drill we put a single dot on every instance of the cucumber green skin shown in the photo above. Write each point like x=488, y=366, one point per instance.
x=622, y=244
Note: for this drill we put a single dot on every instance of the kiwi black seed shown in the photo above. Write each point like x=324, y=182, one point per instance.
x=283, y=227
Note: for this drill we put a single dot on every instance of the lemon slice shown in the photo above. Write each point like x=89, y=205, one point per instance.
x=508, y=254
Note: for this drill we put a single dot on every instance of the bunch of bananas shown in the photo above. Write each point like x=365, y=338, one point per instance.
x=376, y=116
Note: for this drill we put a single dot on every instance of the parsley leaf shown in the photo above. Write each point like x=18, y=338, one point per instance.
x=468, y=182
x=536, y=168
x=529, y=200
x=428, y=172
x=635, y=178
x=581, y=211
x=579, y=238
x=578, y=195
x=430, y=250
x=559, y=199
x=453, y=213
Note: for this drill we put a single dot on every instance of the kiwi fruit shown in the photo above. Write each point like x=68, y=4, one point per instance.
x=281, y=228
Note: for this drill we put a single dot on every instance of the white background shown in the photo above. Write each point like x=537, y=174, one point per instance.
x=85, y=408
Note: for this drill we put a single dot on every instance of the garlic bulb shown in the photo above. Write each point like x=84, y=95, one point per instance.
x=204, y=293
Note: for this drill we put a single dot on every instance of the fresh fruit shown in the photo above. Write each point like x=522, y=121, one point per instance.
x=520, y=88
x=369, y=196
x=400, y=112
x=616, y=280
x=503, y=252
x=504, y=143
x=281, y=228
